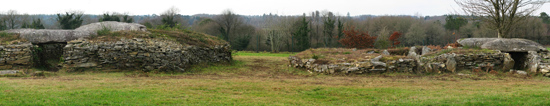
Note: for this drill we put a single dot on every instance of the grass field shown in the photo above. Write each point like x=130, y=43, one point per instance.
x=253, y=79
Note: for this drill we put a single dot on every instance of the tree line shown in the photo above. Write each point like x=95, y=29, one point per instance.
x=276, y=33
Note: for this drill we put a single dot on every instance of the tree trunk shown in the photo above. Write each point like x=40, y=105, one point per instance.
x=258, y=46
x=499, y=34
x=271, y=41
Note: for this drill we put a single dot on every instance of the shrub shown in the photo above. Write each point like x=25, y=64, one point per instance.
x=356, y=39
x=103, y=31
x=434, y=47
x=393, y=39
x=454, y=45
x=382, y=44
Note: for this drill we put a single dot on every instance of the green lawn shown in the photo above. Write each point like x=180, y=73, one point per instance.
x=253, y=79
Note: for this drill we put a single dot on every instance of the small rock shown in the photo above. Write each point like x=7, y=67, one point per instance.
x=346, y=64
x=353, y=69
x=378, y=70
x=520, y=72
x=370, y=52
x=4, y=72
x=544, y=70
x=385, y=52
x=91, y=64
x=460, y=74
x=449, y=47
x=138, y=39
x=425, y=50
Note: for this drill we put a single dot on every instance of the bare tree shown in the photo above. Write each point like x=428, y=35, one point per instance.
x=227, y=22
x=11, y=19
x=502, y=15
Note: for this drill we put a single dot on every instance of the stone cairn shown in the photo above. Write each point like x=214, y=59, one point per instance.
x=146, y=54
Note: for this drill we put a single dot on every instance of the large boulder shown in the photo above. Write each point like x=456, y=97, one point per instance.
x=513, y=45
x=508, y=62
x=533, y=61
x=47, y=36
x=113, y=26
x=474, y=42
x=451, y=63
x=503, y=44
x=376, y=61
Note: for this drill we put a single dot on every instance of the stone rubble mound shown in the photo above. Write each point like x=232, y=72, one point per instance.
x=536, y=62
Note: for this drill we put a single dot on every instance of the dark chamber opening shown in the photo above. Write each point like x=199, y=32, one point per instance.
x=47, y=56
x=520, y=59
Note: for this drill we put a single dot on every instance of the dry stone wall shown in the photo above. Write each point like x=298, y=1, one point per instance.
x=448, y=62
x=16, y=56
x=147, y=54
x=468, y=61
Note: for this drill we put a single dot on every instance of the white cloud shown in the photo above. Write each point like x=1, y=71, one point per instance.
x=246, y=7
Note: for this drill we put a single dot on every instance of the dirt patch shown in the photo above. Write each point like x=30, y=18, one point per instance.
x=257, y=67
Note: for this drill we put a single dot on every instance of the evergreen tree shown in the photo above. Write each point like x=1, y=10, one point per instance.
x=340, y=28
x=113, y=17
x=107, y=17
x=169, y=21
x=545, y=18
x=329, y=29
x=454, y=23
x=300, y=34
x=69, y=20
x=36, y=24
x=127, y=19
x=25, y=25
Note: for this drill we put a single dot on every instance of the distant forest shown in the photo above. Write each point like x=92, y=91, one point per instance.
x=275, y=33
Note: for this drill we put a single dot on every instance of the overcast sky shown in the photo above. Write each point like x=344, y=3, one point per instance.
x=244, y=7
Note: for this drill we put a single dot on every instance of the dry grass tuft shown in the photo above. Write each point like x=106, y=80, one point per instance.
x=9, y=38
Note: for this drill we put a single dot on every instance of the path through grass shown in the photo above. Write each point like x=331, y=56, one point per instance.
x=267, y=80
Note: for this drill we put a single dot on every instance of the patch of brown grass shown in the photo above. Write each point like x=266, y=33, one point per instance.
x=9, y=38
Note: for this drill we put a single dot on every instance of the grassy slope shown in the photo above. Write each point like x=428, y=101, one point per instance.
x=184, y=37
x=260, y=80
